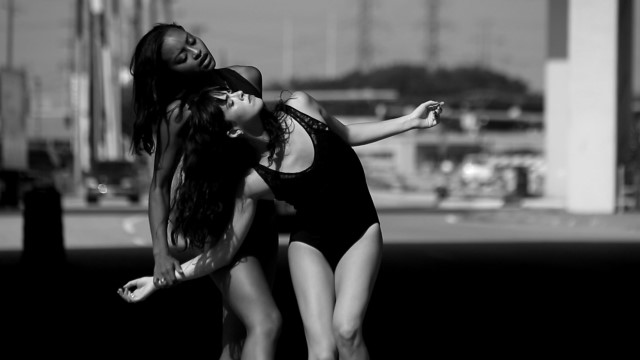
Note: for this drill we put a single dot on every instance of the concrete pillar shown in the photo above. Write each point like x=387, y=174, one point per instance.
x=556, y=99
x=594, y=93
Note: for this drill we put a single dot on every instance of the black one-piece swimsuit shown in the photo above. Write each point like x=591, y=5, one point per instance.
x=333, y=204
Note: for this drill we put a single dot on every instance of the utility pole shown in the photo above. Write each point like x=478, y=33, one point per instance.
x=11, y=10
x=432, y=32
x=365, y=48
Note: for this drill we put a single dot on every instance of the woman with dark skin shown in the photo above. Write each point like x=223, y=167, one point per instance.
x=169, y=64
x=303, y=155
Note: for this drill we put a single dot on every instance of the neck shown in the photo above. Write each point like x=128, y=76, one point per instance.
x=259, y=143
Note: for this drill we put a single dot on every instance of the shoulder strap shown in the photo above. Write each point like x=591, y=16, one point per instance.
x=308, y=123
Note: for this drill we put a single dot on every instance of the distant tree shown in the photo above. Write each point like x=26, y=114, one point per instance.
x=412, y=81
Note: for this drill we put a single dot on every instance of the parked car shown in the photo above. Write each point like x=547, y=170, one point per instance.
x=111, y=179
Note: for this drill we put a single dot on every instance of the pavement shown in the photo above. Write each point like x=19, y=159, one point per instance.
x=436, y=300
x=527, y=211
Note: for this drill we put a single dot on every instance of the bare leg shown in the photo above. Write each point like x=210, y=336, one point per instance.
x=312, y=281
x=233, y=335
x=355, y=277
x=248, y=298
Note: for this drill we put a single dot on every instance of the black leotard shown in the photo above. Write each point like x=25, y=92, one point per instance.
x=333, y=204
x=262, y=239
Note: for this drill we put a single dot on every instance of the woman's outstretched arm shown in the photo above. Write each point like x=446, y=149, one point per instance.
x=424, y=116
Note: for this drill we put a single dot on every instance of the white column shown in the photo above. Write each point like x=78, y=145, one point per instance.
x=556, y=99
x=593, y=106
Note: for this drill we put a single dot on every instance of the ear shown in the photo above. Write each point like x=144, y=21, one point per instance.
x=234, y=133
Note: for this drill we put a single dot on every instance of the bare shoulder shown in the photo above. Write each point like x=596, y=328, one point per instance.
x=177, y=117
x=302, y=101
x=250, y=73
x=246, y=70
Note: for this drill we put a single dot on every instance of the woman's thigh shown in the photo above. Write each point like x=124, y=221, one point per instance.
x=246, y=291
x=312, y=281
x=356, y=274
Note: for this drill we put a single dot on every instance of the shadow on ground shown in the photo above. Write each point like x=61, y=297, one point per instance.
x=430, y=301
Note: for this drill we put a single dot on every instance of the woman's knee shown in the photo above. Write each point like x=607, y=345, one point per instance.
x=268, y=324
x=347, y=333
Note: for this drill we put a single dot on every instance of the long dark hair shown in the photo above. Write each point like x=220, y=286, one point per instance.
x=155, y=86
x=213, y=169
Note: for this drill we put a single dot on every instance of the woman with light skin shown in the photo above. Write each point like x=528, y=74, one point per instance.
x=170, y=64
x=300, y=154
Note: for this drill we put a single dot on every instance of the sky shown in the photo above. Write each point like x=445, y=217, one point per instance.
x=313, y=38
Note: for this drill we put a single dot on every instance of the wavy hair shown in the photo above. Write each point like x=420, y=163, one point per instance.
x=214, y=166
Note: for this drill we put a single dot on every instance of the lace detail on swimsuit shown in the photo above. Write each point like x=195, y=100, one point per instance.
x=312, y=127
x=307, y=121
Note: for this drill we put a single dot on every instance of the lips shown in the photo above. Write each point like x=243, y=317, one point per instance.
x=205, y=61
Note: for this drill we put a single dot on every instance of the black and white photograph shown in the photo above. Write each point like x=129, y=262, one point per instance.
x=320, y=179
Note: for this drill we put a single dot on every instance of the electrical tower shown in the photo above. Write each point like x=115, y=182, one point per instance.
x=365, y=47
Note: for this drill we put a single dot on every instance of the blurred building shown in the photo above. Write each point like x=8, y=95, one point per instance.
x=470, y=160
x=58, y=138
x=14, y=106
x=14, y=109
x=105, y=35
x=588, y=103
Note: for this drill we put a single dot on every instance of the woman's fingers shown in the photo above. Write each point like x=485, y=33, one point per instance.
x=130, y=284
x=126, y=295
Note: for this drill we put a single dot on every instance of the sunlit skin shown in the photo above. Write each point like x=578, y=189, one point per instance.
x=183, y=63
x=185, y=53
x=324, y=297
x=242, y=111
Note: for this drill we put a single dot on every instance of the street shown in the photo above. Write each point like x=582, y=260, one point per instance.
x=451, y=284
x=117, y=224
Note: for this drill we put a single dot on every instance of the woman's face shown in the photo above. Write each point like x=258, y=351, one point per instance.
x=185, y=53
x=240, y=109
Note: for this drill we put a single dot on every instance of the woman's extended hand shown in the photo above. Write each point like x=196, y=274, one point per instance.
x=427, y=114
x=137, y=290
